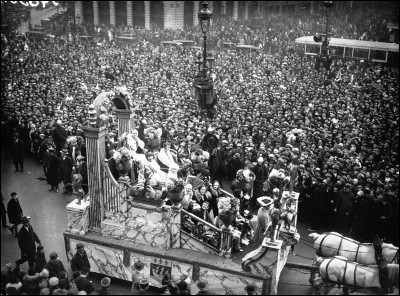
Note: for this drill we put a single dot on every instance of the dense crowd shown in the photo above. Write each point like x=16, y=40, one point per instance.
x=346, y=117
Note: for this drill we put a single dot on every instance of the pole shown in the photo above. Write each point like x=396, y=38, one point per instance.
x=205, y=55
x=73, y=11
x=327, y=21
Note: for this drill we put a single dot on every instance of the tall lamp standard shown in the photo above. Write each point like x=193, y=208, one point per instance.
x=325, y=38
x=203, y=83
x=205, y=17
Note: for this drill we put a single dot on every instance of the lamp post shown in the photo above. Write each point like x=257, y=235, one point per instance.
x=203, y=83
x=325, y=42
x=78, y=18
x=205, y=16
x=325, y=38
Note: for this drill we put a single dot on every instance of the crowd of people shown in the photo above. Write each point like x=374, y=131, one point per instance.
x=45, y=277
x=346, y=117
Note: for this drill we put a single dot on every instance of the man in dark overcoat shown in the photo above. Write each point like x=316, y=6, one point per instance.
x=344, y=210
x=261, y=174
x=14, y=212
x=59, y=135
x=3, y=213
x=362, y=205
x=66, y=170
x=80, y=260
x=319, y=205
x=17, y=153
x=53, y=169
x=27, y=240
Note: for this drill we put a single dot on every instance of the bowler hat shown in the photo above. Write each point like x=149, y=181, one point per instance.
x=182, y=285
x=79, y=246
x=25, y=219
x=202, y=284
x=53, y=255
x=250, y=288
x=138, y=265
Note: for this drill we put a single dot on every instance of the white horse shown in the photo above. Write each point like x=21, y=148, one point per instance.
x=334, y=244
x=353, y=276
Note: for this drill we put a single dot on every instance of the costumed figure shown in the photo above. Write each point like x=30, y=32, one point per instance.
x=134, y=145
x=210, y=143
x=166, y=157
x=288, y=211
x=263, y=219
x=152, y=138
x=77, y=182
x=293, y=167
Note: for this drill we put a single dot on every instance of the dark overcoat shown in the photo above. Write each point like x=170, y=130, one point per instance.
x=17, y=152
x=66, y=169
x=14, y=211
x=52, y=175
x=26, y=240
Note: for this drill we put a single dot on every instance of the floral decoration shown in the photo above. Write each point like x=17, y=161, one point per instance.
x=199, y=156
x=228, y=205
x=245, y=176
x=175, y=185
x=278, y=178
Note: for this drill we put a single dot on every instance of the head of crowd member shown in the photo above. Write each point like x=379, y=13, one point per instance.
x=216, y=185
x=80, y=248
x=26, y=221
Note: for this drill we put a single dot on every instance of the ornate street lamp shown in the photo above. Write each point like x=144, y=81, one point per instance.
x=205, y=17
x=203, y=83
x=325, y=38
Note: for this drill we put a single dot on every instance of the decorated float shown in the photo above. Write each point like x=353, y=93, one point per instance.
x=133, y=213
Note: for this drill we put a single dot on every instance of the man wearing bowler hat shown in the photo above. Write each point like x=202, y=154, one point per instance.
x=53, y=164
x=66, y=171
x=80, y=259
x=27, y=240
x=202, y=285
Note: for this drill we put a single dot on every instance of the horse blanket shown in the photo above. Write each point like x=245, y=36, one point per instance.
x=341, y=271
x=334, y=244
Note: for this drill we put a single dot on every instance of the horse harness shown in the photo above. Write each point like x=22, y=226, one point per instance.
x=319, y=251
x=395, y=259
x=384, y=281
x=343, y=282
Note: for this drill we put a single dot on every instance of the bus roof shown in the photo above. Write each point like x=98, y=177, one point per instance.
x=352, y=43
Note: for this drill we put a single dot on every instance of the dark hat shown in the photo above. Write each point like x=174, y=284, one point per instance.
x=64, y=151
x=250, y=288
x=138, y=265
x=53, y=255
x=79, y=246
x=202, y=284
x=39, y=248
x=105, y=282
x=51, y=149
x=25, y=219
x=182, y=285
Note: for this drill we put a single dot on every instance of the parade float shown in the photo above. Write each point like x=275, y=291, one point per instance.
x=125, y=217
